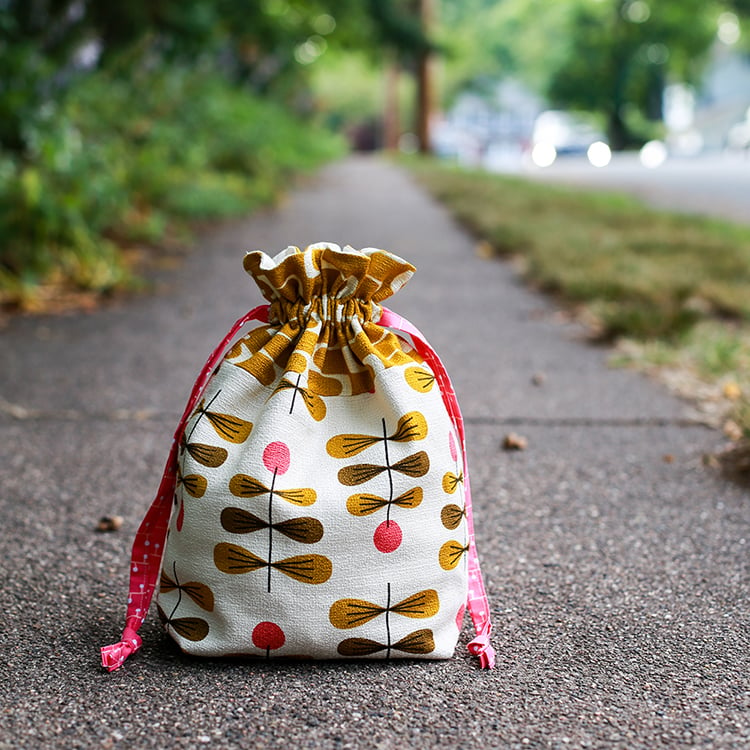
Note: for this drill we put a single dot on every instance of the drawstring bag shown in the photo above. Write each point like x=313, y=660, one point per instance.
x=315, y=503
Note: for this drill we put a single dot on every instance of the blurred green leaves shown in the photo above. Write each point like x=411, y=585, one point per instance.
x=120, y=161
x=120, y=122
x=620, y=55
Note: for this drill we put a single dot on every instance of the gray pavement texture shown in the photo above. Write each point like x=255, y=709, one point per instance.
x=618, y=580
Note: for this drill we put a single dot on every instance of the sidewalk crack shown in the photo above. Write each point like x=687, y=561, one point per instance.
x=519, y=421
x=25, y=414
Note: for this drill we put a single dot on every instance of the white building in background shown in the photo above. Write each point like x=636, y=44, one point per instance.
x=724, y=97
x=482, y=129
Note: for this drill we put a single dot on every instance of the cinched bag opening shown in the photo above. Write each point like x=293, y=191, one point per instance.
x=324, y=308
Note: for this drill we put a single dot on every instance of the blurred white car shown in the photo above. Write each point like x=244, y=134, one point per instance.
x=558, y=133
x=738, y=137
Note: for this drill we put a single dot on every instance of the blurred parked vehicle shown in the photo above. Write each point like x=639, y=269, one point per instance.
x=738, y=137
x=557, y=133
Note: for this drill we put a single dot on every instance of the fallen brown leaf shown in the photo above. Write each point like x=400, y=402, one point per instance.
x=109, y=523
x=514, y=442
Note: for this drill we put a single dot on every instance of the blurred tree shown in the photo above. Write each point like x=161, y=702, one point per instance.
x=398, y=36
x=372, y=36
x=612, y=57
x=620, y=53
x=425, y=77
x=486, y=41
x=268, y=45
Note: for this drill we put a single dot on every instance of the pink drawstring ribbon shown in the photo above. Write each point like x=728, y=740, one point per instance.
x=481, y=647
x=113, y=657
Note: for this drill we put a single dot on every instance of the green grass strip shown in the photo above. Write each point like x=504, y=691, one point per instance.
x=641, y=272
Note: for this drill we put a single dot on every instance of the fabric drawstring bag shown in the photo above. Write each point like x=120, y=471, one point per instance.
x=315, y=502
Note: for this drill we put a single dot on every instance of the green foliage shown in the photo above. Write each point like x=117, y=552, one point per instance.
x=611, y=57
x=741, y=7
x=49, y=45
x=118, y=119
x=120, y=159
x=621, y=52
x=271, y=47
x=486, y=41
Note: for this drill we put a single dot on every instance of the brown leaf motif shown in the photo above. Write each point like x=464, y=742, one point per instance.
x=351, y=613
x=420, y=379
x=364, y=504
x=418, y=642
x=410, y=427
x=305, y=530
x=236, y=560
x=451, y=516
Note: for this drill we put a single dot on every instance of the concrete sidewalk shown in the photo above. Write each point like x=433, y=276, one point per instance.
x=618, y=580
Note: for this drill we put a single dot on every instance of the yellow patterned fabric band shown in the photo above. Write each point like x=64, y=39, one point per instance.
x=323, y=335
x=327, y=282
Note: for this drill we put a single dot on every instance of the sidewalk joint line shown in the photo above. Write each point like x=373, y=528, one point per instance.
x=24, y=414
x=587, y=421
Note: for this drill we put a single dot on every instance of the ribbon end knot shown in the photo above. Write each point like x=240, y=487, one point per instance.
x=481, y=647
x=114, y=656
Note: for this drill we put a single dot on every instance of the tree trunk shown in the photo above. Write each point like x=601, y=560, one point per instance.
x=424, y=81
x=392, y=113
x=617, y=132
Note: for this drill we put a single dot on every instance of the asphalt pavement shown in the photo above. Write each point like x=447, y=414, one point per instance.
x=616, y=562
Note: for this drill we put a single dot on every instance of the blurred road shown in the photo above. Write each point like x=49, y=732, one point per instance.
x=616, y=563
x=714, y=185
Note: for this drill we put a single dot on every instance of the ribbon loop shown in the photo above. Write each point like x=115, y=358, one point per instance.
x=481, y=647
x=114, y=656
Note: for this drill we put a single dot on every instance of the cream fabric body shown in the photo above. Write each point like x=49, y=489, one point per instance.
x=360, y=513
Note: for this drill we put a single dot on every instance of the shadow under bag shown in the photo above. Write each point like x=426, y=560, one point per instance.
x=315, y=502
